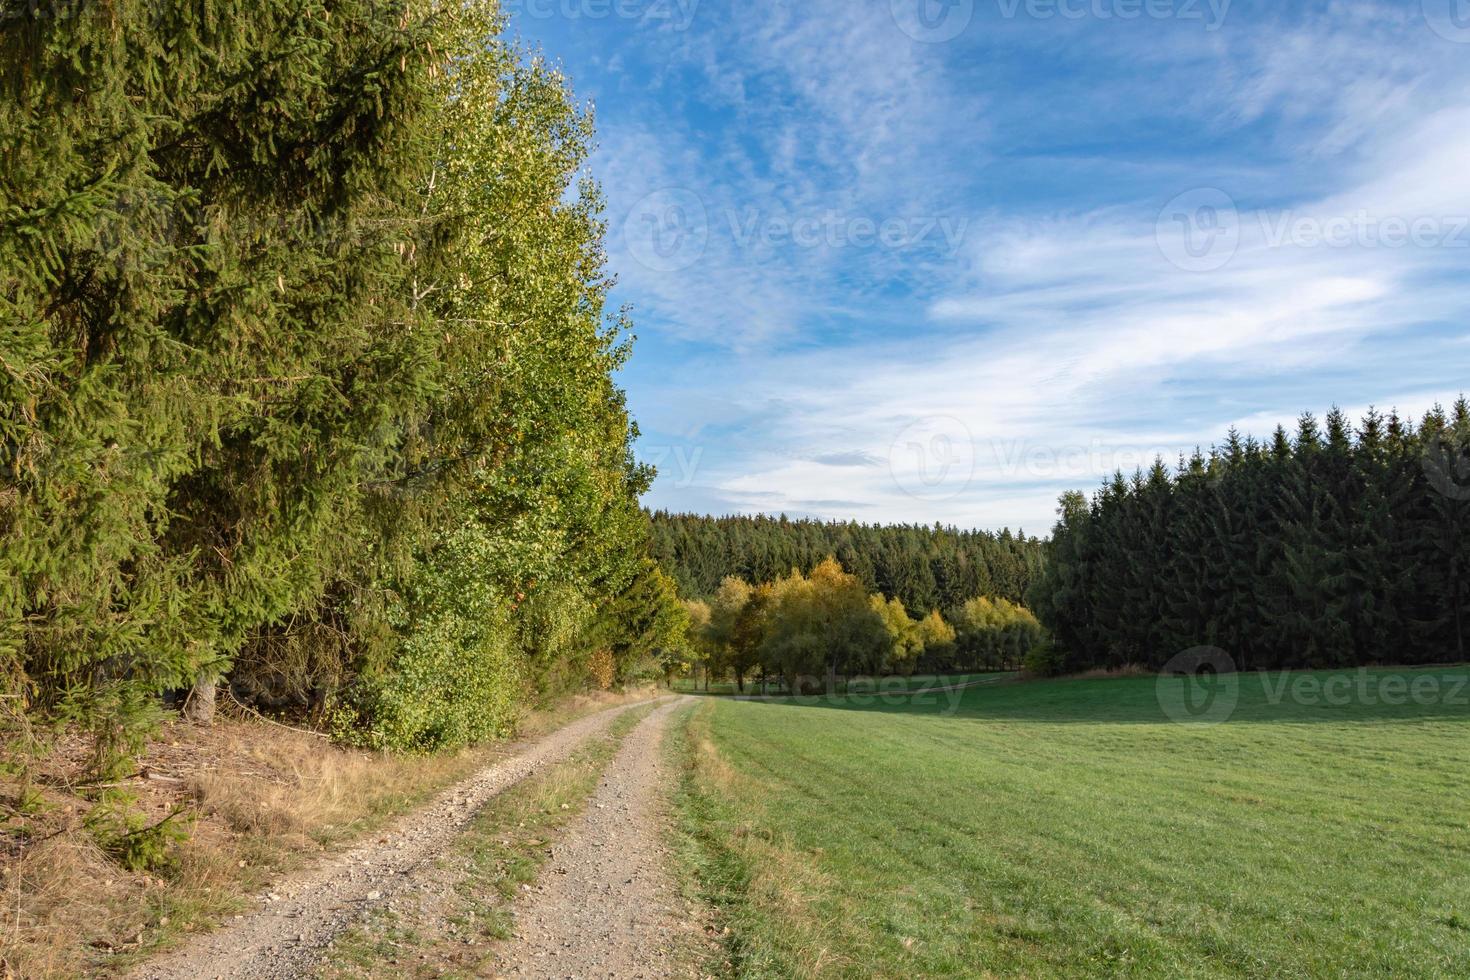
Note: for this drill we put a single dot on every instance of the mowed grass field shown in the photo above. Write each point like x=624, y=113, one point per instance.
x=1070, y=828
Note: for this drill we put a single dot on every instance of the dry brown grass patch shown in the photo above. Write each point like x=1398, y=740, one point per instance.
x=580, y=705
x=262, y=799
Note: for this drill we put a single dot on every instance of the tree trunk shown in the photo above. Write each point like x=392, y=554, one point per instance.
x=199, y=708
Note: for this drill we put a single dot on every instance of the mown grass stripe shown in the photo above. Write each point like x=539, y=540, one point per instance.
x=1068, y=829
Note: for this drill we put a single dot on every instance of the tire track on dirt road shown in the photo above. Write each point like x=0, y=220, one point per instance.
x=300, y=916
x=607, y=904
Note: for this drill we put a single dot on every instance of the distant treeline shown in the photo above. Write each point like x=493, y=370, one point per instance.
x=1330, y=547
x=924, y=567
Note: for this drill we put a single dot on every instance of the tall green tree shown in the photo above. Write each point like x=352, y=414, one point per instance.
x=1333, y=547
x=307, y=372
x=206, y=218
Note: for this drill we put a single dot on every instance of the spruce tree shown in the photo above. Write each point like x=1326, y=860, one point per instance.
x=205, y=213
x=1330, y=548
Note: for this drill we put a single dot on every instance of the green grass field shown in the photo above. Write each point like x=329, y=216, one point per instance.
x=1070, y=828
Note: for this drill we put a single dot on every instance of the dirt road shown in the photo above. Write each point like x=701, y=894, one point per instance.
x=606, y=905
x=297, y=920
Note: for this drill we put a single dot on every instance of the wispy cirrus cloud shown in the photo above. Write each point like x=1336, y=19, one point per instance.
x=1155, y=231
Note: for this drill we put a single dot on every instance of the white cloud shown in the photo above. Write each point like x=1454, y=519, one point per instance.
x=1065, y=342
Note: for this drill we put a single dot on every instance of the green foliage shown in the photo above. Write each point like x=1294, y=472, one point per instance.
x=652, y=627
x=851, y=637
x=734, y=630
x=699, y=650
x=905, y=638
x=512, y=543
x=205, y=325
x=456, y=676
x=804, y=627
x=1326, y=548
x=935, y=638
x=120, y=715
x=929, y=640
x=1045, y=660
x=993, y=634
x=307, y=383
x=923, y=567
x=125, y=834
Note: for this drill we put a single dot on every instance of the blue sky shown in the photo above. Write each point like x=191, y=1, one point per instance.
x=940, y=260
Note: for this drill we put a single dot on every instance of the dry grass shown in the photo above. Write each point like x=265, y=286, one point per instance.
x=746, y=871
x=450, y=930
x=261, y=800
x=579, y=705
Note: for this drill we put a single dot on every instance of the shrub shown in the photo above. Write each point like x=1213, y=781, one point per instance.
x=1045, y=660
x=603, y=670
x=125, y=835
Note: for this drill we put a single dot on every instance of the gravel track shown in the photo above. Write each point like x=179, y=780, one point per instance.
x=606, y=905
x=299, y=917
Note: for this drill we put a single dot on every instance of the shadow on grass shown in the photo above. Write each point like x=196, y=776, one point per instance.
x=1281, y=697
